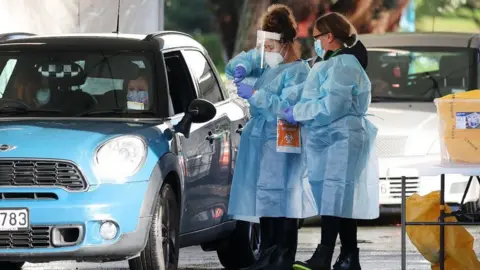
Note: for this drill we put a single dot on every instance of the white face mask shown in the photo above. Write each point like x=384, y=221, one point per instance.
x=273, y=59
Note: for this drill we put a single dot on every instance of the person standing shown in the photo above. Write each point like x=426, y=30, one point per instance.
x=268, y=184
x=339, y=141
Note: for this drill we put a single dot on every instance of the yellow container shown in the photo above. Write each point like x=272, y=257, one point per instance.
x=459, y=127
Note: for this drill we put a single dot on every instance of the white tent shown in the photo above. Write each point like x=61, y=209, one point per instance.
x=80, y=16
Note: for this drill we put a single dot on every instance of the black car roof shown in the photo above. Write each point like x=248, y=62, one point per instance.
x=102, y=42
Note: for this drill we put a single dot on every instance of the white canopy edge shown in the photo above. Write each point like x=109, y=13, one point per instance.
x=80, y=16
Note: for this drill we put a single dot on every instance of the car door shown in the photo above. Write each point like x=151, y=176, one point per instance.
x=219, y=179
x=194, y=152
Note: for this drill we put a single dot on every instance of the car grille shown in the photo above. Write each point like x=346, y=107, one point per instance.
x=35, y=237
x=42, y=173
x=412, y=186
x=28, y=196
x=391, y=146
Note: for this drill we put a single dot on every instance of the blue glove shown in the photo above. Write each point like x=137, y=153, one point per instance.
x=239, y=74
x=244, y=90
x=288, y=115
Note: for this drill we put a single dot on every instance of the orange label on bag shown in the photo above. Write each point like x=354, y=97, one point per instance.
x=288, y=137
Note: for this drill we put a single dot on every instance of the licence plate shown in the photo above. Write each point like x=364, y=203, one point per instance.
x=14, y=219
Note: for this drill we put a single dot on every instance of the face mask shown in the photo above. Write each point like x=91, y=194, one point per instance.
x=137, y=96
x=273, y=59
x=43, y=96
x=318, y=48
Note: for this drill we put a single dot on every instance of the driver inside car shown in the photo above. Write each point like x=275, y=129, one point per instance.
x=27, y=84
x=138, y=91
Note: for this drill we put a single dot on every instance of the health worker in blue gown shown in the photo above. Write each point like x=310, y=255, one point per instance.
x=268, y=184
x=338, y=141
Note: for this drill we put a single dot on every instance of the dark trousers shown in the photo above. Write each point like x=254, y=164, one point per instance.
x=334, y=226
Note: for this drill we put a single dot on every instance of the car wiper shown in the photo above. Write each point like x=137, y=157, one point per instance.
x=115, y=111
x=22, y=110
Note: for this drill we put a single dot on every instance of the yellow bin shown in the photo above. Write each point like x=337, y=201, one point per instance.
x=459, y=127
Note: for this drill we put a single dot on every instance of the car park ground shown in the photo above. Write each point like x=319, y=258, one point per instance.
x=380, y=249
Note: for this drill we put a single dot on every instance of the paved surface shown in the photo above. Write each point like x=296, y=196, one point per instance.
x=380, y=249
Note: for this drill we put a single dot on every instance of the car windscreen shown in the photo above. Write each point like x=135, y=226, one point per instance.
x=420, y=73
x=118, y=84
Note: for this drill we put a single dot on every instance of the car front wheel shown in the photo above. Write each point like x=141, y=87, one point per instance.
x=162, y=249
x=241, y=248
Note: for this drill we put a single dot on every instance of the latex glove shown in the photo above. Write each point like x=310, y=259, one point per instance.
x=288, y=115
x=239, y=74
x=244, y=90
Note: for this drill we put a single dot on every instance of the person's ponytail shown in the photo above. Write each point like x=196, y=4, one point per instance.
x=351, y=40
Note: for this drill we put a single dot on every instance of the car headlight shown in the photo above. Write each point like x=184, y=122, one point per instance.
x=120, y=157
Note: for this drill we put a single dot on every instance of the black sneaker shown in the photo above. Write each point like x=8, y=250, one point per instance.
x=320, y=260
x=348, y=260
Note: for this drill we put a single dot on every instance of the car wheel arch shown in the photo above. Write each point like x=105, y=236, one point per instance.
x=171, y=173
x=165, y=170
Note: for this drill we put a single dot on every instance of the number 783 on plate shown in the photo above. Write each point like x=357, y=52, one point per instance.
x=14, y=219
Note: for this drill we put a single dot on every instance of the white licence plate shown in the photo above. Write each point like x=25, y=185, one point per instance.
x=14, y=219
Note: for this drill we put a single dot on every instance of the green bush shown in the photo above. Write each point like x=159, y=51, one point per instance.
x=214, y=46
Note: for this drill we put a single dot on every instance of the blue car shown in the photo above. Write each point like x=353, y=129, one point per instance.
x=116, y=147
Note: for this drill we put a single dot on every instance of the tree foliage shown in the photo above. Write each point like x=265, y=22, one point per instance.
x=190, y=16
x=368, y=16
x=468, y=9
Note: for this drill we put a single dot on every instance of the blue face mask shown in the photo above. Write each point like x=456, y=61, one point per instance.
x=318, y=48
x=138, y=96
x=43, y=96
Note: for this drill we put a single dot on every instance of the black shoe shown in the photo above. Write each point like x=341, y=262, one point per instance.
x=287, y=239
x=348, y=260
x=267, y=244
x=264, y=259
x=321, y=260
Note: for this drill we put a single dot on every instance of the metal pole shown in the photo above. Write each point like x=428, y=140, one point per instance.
x=442, y=220
x=161, y=15
x=404, y=229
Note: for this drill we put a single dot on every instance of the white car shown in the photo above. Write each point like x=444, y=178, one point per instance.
x=409, y=70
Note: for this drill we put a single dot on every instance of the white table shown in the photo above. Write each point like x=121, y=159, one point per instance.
x=434, y=169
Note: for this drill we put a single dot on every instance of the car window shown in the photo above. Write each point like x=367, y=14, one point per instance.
x=180, y=85
x=478, y=67
x=76, y=82
x=6, y=74
x=419, y=74
x=208, y=84
x=100, y=86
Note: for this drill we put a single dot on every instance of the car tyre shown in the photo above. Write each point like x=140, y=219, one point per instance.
x=11, y=265
x=240, y=250
x=162, y=249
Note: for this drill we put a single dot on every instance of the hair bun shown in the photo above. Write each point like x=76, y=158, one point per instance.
x=279, y=19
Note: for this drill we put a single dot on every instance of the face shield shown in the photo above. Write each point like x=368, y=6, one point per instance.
x=269, y=48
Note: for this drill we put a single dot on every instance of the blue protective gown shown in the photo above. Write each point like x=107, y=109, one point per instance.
x=267, y=183
x=338, y=139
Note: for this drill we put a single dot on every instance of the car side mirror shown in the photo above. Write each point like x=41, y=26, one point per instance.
x=199, y=111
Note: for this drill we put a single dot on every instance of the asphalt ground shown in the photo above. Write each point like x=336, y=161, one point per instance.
x=379, y=249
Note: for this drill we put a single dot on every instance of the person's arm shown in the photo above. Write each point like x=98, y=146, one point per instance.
x=276, y=97
x=327, y=101
x=249, y=60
